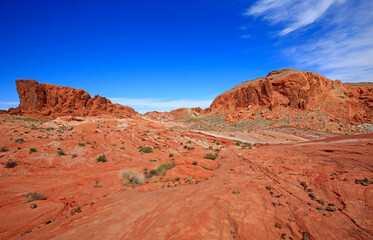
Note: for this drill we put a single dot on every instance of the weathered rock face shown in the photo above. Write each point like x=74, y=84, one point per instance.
x=50, y=101
x=298, y=90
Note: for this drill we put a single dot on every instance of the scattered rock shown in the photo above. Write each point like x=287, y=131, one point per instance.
x=277, y=225
x=33, y=206
x=330, y=209
x=312, y=196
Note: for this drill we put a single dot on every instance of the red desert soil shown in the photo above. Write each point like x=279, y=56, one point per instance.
x=268, y=191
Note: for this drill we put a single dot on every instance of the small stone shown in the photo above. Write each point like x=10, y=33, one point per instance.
x=319, y=208
x=330, y=209
x=283, y=235
x=321, y=201
x=33, y=206
x=277, y=225
x=310, y=190
x=291, y=220
x=235, y=191
x=268, y=188
x=331, y=204
x=304, y=185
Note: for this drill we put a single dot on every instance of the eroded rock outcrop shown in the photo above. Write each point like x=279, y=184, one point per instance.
x=48, y=101
x=295, y=89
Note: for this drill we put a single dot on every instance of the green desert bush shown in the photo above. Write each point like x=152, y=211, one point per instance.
x=161, y=170
x=34, y=196
x=19, y=140
x=211, y=156
x=131, y=177
x=11, y=164
x=3, y=149
x=102, y=158
x=146, y=149
x=33, y=150
x=61, y=152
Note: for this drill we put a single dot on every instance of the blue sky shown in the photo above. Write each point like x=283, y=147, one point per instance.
x=162, y=55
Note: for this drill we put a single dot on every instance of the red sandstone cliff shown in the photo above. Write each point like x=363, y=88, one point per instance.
x=298, y=90
x=48, y=101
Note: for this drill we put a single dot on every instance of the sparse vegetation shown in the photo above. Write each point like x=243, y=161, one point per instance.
x=19, y=140
x=11, y=164
x=211, y=156
x=3, y=149
x=170, y=155
x=102, y=158
x=33, y=150
x=194, y=163
x=61, y=152
x=131, y=177
x=146, y=149
x=161, y=170
x=246, y=145
x=34, y=196
x=188, y=179
x=81, y=144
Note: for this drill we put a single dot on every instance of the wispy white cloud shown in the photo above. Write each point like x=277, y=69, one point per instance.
x=9, y=103
x=147, y=104
x=293, y=14
x=338, y=41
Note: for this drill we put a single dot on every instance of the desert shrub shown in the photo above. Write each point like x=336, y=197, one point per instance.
x=74, y=155
x=11, y=164
x=194, y=163
x=188, y=179
x=170, y=155
x=146, y=149
x=34, y=196
x=188, y=148
x=131, y=177
x=19, y=140
x=81, y=144
x=61, y=152
x=33, y=150
x=3, y=149
x=245, y=145
x=102, y=158
x=161, y=170
x=211, y=156
x=238, y=144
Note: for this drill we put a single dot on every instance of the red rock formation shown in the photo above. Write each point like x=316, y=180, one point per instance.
x=50, y=101
x=298, y=90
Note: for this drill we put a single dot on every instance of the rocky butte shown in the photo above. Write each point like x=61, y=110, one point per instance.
x=46, y=101
x=298, y=90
